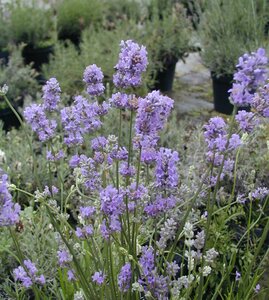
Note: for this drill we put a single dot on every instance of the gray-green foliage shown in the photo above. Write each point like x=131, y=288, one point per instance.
x=75, y=15
x=19, y=78
x=230, y=28
x=4, y=31
x=67, y=66
x=30, y=24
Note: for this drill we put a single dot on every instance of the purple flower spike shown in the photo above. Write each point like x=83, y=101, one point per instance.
x=93, y=77
x=166, y=168
x=152, y=114
x=27, y=274
x=9, y=212
x=36, y=117
x=124, y=277
x=51, y=94
x=251, y=73
x=132, y=63
x=261, y=101
x=119, y=100
x=246, y=120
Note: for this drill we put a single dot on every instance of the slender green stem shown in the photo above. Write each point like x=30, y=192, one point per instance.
x=27, y=138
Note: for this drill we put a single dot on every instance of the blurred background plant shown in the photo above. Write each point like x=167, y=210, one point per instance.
x=230, y=28
x=75, y=15
x=19, y=78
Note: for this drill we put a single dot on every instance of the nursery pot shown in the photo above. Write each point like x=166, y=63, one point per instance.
x=4, y=57
x=221, y=86
x=165, y=77
x=74, y=37
x=38, y=56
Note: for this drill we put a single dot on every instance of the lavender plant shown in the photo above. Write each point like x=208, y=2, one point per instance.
x=126, y=224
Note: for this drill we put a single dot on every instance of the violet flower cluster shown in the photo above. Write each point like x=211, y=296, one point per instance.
x=219, y=143
x=93, y=77
x=51, y=94
x=28, y=274
x=112, y=207
x=36, y=114
x=125, y=277
x=9, y=211
x=132, y=63
x=251, y=73
x=80, y=118
x=152, y=113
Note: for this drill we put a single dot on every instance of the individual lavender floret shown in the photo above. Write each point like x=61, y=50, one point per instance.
x=80, y=118
x=54, y=157
x=261, y=101
x=93, y=77
x=125, y=277
x=246, y=121
x=64, y=257
x=84, y=232
x=240, y=96
x=99, y=143
x=252, y=68
x=215, y=128
x=86, y=212
x=71, y=275
x=234, y=142
x=126, y=171
x=119, y=100
x=51, y=94
x=251, y=73
x=132, y=63
x=36, y=117
x=172, y=269
x=98, y=278
x=74, y=161
x=166, y=172
x=9, y=212
x=89, y=174
x=199, y=240
x=160, y=205
x=257, y=288
x=152, y=113
x=211, y=255
x=237, y=276
x=27, y=274
x=260, y=193
x=167, y=233
x=111, y=201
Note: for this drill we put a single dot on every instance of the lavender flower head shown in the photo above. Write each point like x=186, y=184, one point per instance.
x=119, y=100
x=27, y=274
x=132, y=63
x=261, y=101
x=251, y=69
x=251, y=73
x=124, y=277
x=166, y=169
x=246, y=121
x=36, y=117
x=98, y=278
x=93, y=77
x=153, y=111
x=9, y=212
x=51, y=94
